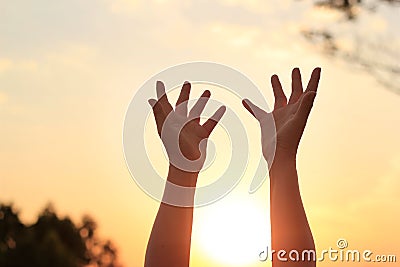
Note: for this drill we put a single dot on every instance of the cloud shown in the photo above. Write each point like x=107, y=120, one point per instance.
x=236, y=36
x=124, y=6
x=3, y=98
x=5, y=64
x=20, y=65
x=72, y=56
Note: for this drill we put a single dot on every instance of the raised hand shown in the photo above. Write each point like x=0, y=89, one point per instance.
x=291, y=116
x=289, y=226
x=184, y=138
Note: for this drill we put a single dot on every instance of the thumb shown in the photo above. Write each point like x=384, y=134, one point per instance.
x=152, y=102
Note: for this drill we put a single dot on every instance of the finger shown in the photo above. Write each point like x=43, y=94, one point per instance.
x=280, y=98
x=162, y=97
x=182, y=102
x=198, y=108
x=314, y=80
x=210, y=124
x=158, y=112
x=297, y=87
x=304, y=109
x=152, y=102
x=257, y=112
x=160, y=89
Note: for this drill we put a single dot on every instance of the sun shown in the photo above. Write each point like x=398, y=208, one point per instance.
x=233, y=232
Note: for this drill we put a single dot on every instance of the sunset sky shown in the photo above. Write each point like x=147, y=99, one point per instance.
x=69, y=69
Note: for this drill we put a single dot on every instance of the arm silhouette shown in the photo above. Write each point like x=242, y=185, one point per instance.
x=289, y=225
x=184, y=138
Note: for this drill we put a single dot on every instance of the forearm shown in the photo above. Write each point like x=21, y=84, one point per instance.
x=169, y=243
x=290, y=228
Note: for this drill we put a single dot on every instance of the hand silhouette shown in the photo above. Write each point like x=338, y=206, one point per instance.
x=185, y=141
x=184, y=138
x=290, y=117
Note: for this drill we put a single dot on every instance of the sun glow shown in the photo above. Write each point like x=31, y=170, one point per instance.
x=233, y=232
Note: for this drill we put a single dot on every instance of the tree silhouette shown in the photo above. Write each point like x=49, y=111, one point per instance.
x=377, y=55
x=351, y=7
x=52, y=241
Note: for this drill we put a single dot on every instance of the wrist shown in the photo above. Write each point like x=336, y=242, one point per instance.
x=282, y=161
x=181, y=177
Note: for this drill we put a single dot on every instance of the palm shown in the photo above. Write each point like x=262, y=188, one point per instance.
x=190, y=134
x=285, y=125
x=184, y=138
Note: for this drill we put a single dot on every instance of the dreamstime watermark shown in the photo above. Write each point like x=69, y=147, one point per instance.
x=204, y=73
x=339, y=254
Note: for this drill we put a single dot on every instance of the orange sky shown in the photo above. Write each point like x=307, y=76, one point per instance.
x=68, y=72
